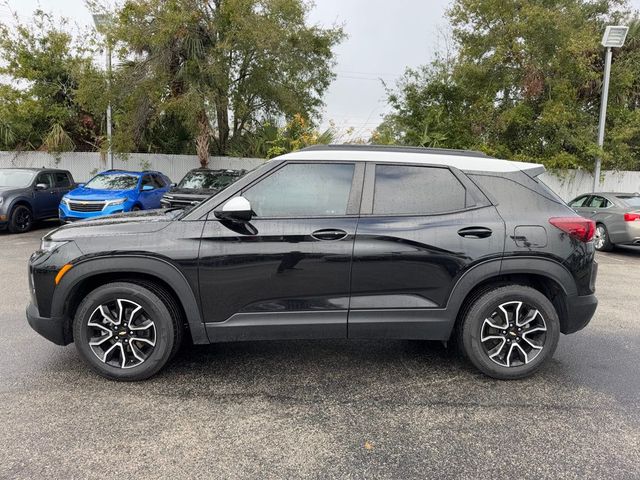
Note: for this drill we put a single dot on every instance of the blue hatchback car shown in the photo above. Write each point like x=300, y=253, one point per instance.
x=114, y=191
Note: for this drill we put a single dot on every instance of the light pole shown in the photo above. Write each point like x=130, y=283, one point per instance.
x=614, y=37
x=102, y=20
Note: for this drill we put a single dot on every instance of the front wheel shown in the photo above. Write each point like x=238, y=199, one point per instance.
x=510, y=332
x=124, y=331
x=21, y=219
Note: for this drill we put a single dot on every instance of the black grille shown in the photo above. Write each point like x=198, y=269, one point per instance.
x=86, y=207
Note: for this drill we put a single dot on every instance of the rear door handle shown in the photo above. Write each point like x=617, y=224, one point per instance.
x=329, y=234
x=475, y=232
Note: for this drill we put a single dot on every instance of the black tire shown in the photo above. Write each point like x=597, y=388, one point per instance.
x=21, y=219
x=602, y=233
x=167, y=331
x=488, y=304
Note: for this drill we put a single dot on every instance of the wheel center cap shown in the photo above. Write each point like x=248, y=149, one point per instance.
x=122, y=333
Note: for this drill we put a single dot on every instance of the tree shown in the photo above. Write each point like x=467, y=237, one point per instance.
x=216, y=68
x=526, y=84
x=42, y=65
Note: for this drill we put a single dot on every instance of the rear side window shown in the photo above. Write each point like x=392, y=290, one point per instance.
x=598, y=202
x=413, y=190
x=62, y=180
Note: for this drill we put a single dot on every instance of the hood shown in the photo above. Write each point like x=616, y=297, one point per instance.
x=11, y=189
x=83, y=193
x=201, y=192
x=130, y=223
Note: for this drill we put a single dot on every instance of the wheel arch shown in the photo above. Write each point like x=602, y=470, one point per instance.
x=545, y=275
x=91, y=273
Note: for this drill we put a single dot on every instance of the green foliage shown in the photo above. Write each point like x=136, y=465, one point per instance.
x=41, y=65
x=215, y=71
x=525, y=84
x=296, y=134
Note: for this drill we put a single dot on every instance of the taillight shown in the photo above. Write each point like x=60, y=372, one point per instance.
x=631, y=217
x=578, y=227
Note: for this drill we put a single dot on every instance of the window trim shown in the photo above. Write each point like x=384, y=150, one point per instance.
x=474, y=199
x=353, y=201
x=587, y=196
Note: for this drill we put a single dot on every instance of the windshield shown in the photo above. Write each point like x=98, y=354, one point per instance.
x=632, y=201
x=16, y=178
x=118, y=181
x=200, y=180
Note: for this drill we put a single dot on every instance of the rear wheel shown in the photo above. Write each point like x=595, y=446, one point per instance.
x=510, y=332
x=601, y=239
x=21, y=219
x=125, y=331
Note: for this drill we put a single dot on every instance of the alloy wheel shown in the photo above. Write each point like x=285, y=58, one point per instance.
x=599, y=237
x=514, y=334
x=121, y=333
x=23, y=219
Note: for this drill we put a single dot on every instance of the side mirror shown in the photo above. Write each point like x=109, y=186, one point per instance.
x=238, y=208
x=174, y=185
x=78, y=185
x=41, y=186
x=146, y=188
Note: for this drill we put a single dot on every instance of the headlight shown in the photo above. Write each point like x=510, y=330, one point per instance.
x=119, y=201
x=65, y=200
x=51, y=245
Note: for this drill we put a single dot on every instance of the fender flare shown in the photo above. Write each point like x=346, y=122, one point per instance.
x=482, y=272
x=133, y=263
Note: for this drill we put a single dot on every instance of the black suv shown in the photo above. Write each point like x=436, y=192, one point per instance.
x=30, y=194
x=329, y=242
x=198, y=185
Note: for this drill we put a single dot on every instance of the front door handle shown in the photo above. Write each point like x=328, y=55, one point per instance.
x=475, y=232
x=329, y=234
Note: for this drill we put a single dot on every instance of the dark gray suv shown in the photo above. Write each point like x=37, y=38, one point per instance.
x=30, y=194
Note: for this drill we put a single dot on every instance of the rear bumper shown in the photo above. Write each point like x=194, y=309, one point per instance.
x=580, y=310
x=53, y=329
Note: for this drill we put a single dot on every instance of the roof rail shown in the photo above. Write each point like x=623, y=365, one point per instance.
x=394, y=148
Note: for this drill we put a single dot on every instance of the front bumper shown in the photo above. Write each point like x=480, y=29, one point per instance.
x=56, y=330
x=67, y=215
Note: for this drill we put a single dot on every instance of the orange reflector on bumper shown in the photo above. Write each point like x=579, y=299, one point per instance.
x=62, y=271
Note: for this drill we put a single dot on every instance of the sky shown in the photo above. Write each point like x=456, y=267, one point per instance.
x=384, y=38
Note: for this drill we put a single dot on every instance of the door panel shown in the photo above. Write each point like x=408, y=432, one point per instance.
x=46, y=201
x=405, y=264
x=412, y=262
x=281, y=270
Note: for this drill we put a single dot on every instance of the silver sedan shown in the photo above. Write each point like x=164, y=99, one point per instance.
x=617, y=217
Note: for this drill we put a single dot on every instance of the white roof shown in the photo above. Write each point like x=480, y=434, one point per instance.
x=460, y=161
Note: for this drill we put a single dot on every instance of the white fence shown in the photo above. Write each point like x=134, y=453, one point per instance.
x=84, y=165
x=571, y=183
x=568, y=184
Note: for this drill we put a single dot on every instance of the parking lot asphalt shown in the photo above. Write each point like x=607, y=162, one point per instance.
x=324, y=409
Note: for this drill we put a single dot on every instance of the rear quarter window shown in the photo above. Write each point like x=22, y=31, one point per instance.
x=515, y=192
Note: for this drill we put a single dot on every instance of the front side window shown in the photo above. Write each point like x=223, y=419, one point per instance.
x=409, y=190
x=45, y=178
x=303, y=190
x=579, y=202
x=113, y=182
